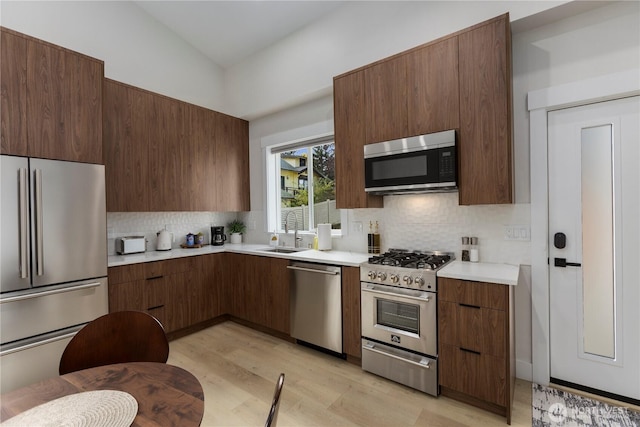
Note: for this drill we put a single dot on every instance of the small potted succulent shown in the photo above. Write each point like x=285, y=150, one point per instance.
x=236, y=228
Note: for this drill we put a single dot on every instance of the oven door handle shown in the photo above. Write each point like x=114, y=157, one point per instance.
x=397, y=295
x=423, y=364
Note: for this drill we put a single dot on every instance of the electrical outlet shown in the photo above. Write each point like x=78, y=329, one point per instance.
x=517, y=232
x=356, y=227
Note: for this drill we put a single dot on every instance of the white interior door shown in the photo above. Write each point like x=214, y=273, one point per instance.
x=594, y=235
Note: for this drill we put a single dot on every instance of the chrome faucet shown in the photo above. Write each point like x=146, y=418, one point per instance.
x=296, y=239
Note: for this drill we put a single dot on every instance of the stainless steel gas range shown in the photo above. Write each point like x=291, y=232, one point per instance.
x=399, y=317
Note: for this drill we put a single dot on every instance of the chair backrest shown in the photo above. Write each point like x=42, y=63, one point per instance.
x=119, y=337
x=275, y=405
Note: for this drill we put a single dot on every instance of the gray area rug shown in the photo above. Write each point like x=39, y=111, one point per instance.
x=552, y=407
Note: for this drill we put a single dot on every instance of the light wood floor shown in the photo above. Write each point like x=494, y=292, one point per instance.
x=238, y=368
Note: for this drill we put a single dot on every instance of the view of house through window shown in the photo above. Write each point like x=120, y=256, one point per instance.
x=307, y=186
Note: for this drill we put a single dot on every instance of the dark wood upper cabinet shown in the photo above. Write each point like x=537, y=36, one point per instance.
x=231, y=164
x=162, y=154
x=485, y=143
x=461, y=81
x=13, y=82
x=386, y=100
x=349, y=137
x=60, y=114
x=433, y=98
x=126, y=147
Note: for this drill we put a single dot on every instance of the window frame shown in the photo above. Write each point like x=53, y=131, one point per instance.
x=274, y=145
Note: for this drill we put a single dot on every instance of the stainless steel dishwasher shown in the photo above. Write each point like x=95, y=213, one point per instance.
x=316, y=304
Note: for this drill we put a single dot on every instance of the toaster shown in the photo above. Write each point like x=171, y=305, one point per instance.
x=130, y=245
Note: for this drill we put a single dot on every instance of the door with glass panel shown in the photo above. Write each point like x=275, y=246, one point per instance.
x=594, y=235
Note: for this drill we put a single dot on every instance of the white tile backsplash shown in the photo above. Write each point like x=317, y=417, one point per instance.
x=427, y=222
x=415, y=222
x=149, y=223
x=437, y=222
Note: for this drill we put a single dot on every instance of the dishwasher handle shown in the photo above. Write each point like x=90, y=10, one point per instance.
x=313, y=270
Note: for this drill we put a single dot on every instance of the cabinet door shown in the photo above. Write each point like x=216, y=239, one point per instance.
x=232, y=163
x=127, y=296
x=276, y=299
x=178, y=302
x=205, y=291
x=351, y=313
x=349, y=136
x=432, y=75
x=236, y=274
x=203, y=194
x=126, y=143
x=386, y=100
x=167, y=146
x=13, y=94
x=485, y=143
x=64, y=104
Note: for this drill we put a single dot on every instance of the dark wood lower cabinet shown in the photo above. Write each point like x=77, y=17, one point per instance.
x=351, y=322
x=476, y=345
x=184, y=292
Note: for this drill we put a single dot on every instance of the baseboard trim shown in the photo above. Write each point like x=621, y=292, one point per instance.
x=524, y=370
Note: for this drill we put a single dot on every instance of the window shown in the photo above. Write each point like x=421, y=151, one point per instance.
x=305, y=193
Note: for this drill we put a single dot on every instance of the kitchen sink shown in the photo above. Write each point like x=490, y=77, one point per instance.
x=283, y=250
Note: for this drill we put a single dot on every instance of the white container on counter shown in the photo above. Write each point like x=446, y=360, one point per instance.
x=324, y=237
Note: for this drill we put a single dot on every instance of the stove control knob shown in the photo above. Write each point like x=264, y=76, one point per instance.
x=395, y=278
x=407, y=280
x=419, y=281
x=371, y=275
x=382, y=276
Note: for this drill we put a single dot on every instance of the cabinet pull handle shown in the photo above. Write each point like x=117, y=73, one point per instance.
x=470, y=351
x=155, y=307
x=155, y=277
x=468, y=305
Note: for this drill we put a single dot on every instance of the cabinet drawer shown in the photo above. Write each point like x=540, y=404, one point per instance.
x=478, y=375
x=475, y=328
x=172, y=266
x=125, y=273
x=477, y=294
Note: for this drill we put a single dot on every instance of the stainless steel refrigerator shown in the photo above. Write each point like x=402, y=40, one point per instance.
x=53, y=262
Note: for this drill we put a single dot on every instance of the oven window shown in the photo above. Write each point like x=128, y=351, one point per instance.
x=393, y=314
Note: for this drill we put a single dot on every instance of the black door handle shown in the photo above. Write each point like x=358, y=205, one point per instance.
x=562, y=262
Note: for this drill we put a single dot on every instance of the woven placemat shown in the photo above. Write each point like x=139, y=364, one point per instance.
x=104, y=408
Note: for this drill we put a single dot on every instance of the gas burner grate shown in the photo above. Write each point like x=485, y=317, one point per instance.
x=416, y=260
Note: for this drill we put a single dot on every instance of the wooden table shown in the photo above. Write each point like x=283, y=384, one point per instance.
x=166, y=395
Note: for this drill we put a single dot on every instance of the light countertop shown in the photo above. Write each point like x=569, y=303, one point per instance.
x=504, y=274
x=344, y=258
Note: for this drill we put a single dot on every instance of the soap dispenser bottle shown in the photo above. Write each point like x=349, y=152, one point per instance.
x=274, y=239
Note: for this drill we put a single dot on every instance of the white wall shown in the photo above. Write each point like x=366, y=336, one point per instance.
x=135, y=48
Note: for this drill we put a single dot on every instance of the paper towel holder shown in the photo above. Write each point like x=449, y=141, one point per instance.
x=324, y=237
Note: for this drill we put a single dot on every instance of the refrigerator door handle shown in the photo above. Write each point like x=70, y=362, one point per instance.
x=39, y=227
x=24, y=217
x=38, y=343
x=50, y=292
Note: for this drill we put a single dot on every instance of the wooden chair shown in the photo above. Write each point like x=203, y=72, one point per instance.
x=275, y=405
x=123, y=336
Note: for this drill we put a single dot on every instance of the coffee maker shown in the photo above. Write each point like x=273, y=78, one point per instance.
x=217, y=235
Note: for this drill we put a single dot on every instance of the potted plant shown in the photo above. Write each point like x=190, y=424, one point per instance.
x=236, y=228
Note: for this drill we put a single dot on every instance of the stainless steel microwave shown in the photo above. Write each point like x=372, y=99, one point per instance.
x=418, y=164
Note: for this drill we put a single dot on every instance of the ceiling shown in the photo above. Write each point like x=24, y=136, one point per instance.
x=229, y=31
